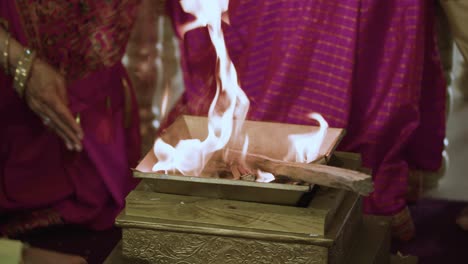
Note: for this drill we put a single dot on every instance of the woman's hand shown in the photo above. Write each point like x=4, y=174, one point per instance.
x=46, y=95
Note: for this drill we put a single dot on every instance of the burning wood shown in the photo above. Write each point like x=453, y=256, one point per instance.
x=236, y=174
x=216, y=167
x=248, y=177
x=240, y=172
x=311, y=173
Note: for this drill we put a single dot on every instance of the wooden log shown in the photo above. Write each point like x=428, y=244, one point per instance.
x=307, y=172
x=236, y=175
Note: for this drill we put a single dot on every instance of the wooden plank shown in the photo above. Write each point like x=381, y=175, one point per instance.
x=201, y=210
x=127, y=222
x=328, y=199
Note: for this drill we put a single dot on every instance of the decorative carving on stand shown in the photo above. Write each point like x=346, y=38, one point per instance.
x=168, y=247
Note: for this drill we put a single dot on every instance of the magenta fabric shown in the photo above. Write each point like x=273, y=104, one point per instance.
x=369, y=66
x=36, y=169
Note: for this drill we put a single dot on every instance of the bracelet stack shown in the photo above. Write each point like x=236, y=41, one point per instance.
x=6, y=48
x=22, y=71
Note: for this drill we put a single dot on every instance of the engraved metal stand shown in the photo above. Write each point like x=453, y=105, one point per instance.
x=182, y=219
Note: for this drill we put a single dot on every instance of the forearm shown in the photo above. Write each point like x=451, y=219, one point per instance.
x=15, y=50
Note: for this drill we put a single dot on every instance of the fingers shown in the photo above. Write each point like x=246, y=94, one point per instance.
x=65, y=117
x=68, y=143
x=47, y=96
x=63, y=123
x=53, y=121
x=60, y=107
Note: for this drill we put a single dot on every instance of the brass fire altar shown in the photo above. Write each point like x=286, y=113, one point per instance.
x=181, y=219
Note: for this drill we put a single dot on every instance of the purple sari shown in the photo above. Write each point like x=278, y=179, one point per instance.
x=369, y=66
x=83, y=40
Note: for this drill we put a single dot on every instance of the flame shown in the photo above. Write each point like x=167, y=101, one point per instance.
x=245, y=147
x=305, y=148
x=161, y=111
x=264, y=176
x=164, y=102
x=230, y=102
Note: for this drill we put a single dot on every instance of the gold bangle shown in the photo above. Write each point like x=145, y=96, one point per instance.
x=6, y=53
x=22, y=71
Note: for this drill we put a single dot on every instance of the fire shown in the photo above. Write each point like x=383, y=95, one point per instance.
x=245, y=148
x=305, y=148
x=160, y=111
x=164, y=102
x=189, y=157
x=230, y=102
x=264, y=176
